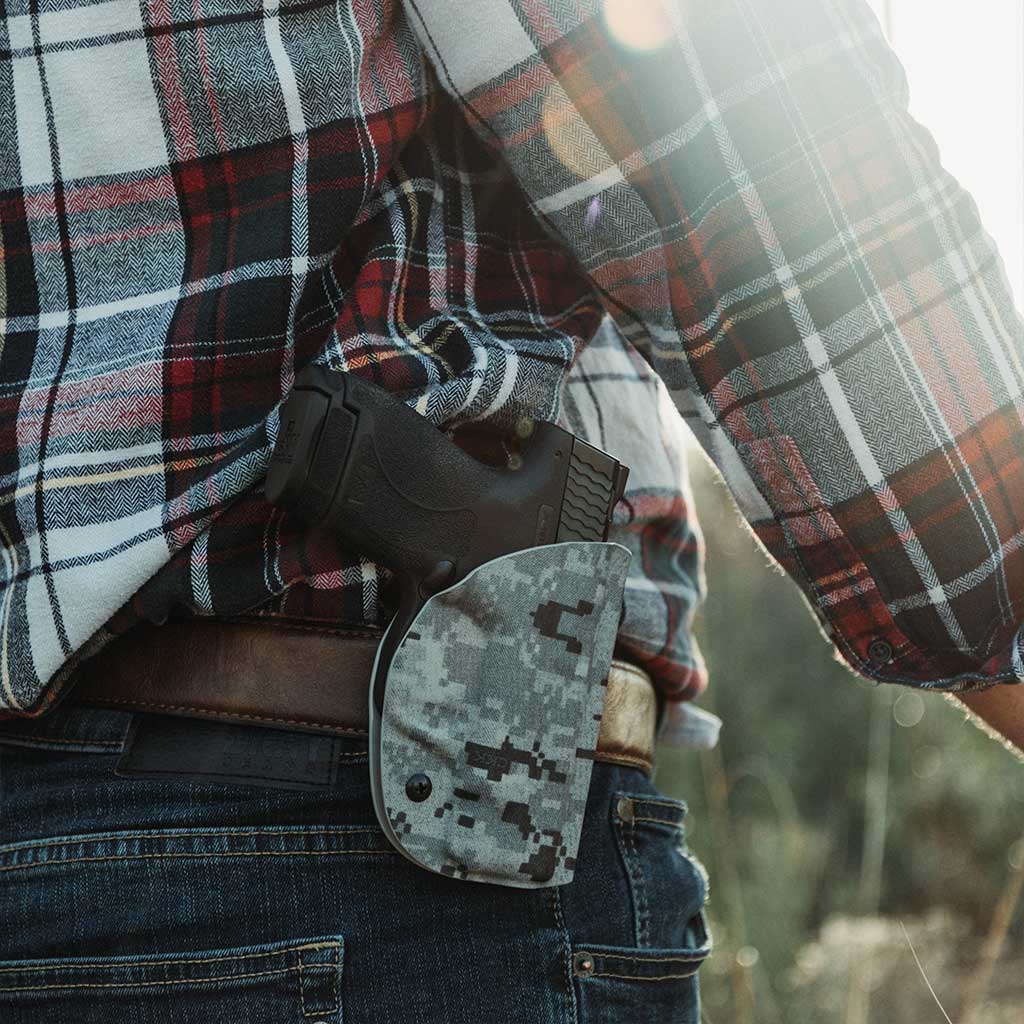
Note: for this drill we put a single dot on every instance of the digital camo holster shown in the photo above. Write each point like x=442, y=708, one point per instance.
x=489, y=681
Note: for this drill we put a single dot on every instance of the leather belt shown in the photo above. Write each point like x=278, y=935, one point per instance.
x=302, y=677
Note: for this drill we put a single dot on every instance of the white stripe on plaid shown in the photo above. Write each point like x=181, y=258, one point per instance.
x=834, y=407
x=199, y=201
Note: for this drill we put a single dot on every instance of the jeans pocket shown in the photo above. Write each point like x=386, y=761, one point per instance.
x=654, y=979
x=297, y=981
x=668, y=885
x=619, y=985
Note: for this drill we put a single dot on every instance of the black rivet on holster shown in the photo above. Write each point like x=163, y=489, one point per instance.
x=418, y=787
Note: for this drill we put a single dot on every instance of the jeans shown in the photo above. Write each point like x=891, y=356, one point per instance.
x=140, y=900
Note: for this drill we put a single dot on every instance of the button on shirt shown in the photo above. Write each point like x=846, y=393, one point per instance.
x=450, y=198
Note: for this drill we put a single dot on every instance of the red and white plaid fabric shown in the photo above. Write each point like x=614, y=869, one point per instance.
x=447, y=197
x=742, y=183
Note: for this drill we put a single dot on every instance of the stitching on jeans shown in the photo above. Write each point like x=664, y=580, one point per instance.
x=205, y=853
x=161, y=772
x=100, y=965
x=659, y=821
x=643, y=912
x=626, y=858
x=229, y=715
x=146, y=984
x=35, y=738
x=302, y=992
x=643, y=798
x=682, y=959
x=658, y=803
x=570, y=992
x=333, y=965
x=121, y=836
x=633, y=977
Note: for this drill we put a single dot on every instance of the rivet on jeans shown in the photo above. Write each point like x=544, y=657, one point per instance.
x=583, y=963
x=624, y=809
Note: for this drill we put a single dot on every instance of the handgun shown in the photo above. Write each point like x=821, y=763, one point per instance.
x=354, y=459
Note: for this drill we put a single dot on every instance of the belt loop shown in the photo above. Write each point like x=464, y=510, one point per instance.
x=319, y=970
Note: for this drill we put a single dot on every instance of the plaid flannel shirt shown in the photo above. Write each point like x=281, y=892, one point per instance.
x=197, y=199
x=743, y=184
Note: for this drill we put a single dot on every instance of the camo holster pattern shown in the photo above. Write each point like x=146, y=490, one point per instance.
x=495, y=694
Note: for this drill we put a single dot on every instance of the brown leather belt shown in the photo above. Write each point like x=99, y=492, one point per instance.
x=300, y=677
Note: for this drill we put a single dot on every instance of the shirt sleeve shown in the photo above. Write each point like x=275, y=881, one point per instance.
x=770, y=228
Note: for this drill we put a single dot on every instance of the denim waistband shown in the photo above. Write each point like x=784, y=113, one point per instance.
x=72, y=727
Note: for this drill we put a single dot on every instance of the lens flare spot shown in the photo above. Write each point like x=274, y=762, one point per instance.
x=566, y=139
x=1015, y=855
x=908, y=710
x=639, y=24
x=747, y=956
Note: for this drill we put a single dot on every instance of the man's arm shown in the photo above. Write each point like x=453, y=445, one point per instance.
x=774, y=232
x=999, y=712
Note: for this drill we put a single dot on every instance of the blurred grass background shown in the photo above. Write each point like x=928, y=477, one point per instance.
x=846, y=827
